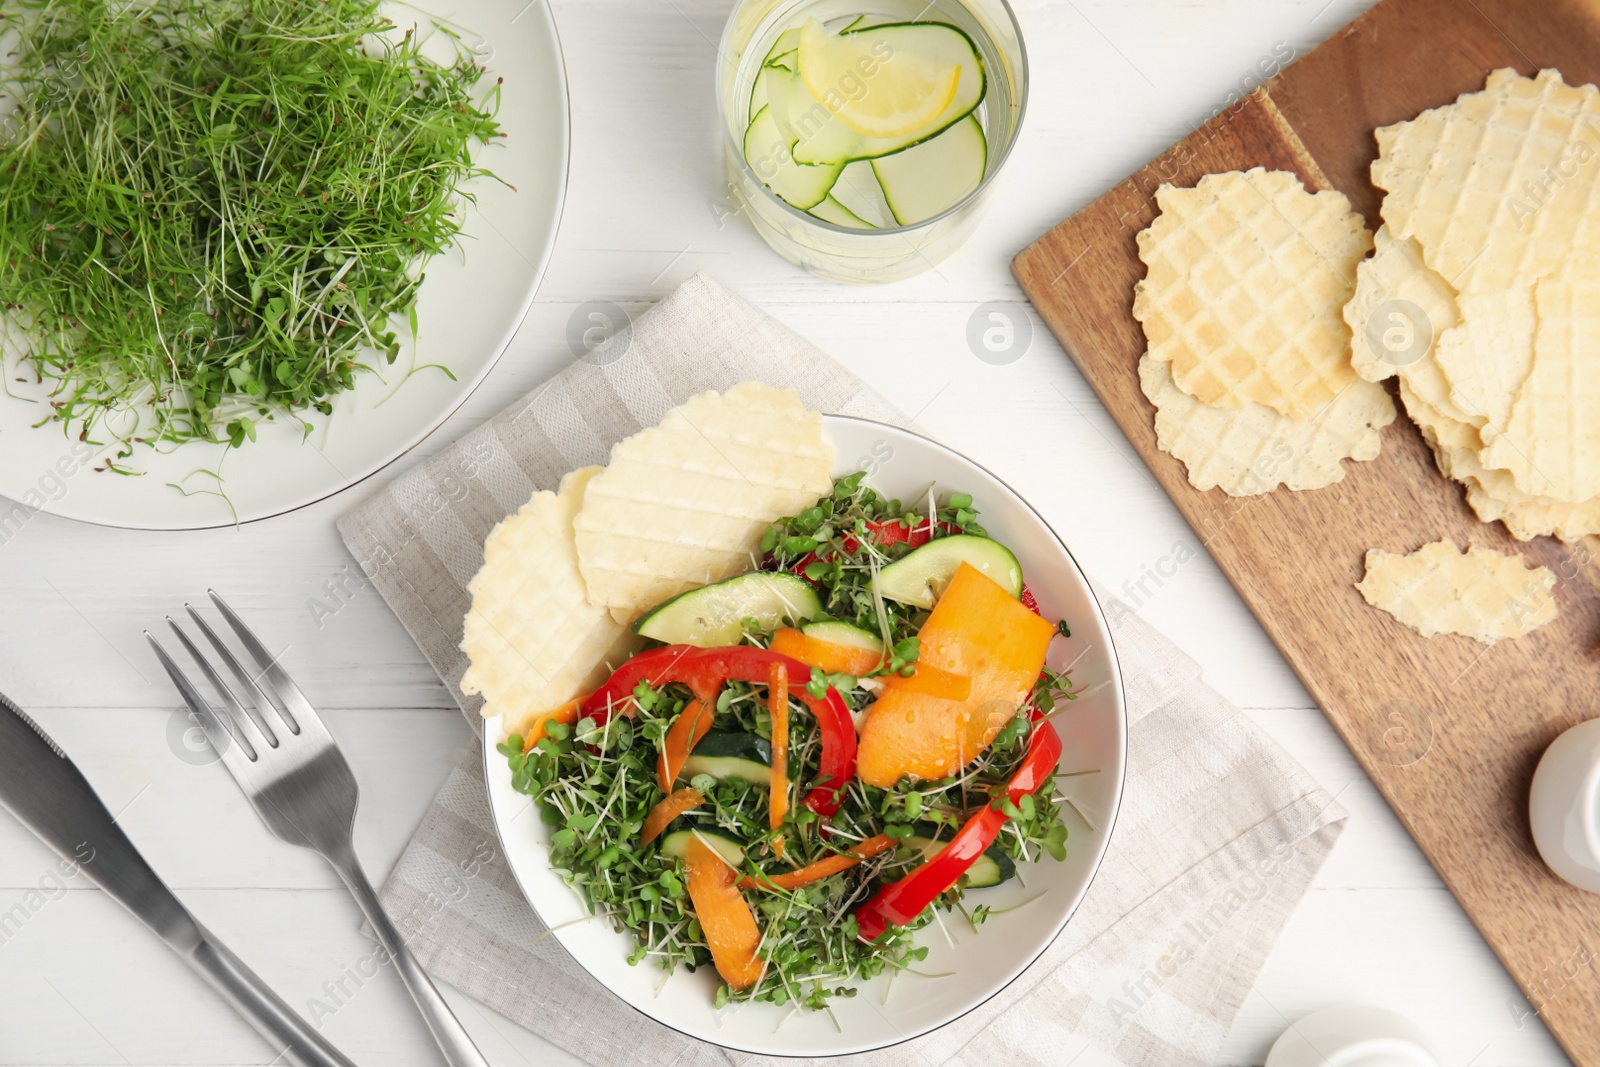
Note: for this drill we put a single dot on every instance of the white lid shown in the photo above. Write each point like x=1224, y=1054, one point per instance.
x=1352, y=1035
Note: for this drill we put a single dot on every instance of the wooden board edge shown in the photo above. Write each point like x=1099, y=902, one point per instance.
x=1173, y=161
x=1035, y=260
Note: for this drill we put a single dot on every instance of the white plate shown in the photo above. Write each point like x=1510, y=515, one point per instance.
x=469, y=307
x=1094, y=735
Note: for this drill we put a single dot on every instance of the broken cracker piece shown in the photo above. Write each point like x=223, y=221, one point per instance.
x=1486, y=595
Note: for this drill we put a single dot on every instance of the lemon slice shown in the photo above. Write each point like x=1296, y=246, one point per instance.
x=883, y=87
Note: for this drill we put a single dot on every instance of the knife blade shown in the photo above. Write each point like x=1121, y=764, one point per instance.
x=45, y=790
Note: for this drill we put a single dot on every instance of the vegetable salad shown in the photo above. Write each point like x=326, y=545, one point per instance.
x=870, y=750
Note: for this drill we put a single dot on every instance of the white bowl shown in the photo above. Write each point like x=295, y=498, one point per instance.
x=1564, y=805
x=1094, y=735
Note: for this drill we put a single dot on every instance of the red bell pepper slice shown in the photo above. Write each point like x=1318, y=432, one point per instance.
x=893, y=532
x=683, y=664
x=704, y=670
x=899, y=903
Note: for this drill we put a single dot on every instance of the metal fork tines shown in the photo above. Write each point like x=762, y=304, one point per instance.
x=274, y=743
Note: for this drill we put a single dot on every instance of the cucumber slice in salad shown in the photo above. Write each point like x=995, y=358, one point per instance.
x=676, y=844
x=830, y=210
x=934, y=176
x=714, y=615
x=991, y=868
x=920, y=577
x=769, y=152
x=847, y=634
x=732, y=755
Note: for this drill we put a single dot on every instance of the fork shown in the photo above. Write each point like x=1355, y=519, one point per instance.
x=294, y=775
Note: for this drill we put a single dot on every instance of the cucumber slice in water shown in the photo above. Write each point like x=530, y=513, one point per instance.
x=822, y=138
x=873, y=89
x=830, y=210
x=768, y=151
x=784, y=48
x=937, y=174
x=714, y=615
x=858, y=192
x=785, y=51
x=921, y=577
x=758, y=92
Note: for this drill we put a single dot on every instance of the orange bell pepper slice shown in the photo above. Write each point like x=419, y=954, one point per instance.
x=825, y=655
x=815, y=872
x=693, y=723
x=663, y=813
x=566, y=714
x=704, y=670
x=842, y=659
x=977, y=630
x=726, y=920
x=935, y=682
x=778, y=707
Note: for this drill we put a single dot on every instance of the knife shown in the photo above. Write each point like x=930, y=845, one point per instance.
x=47, y=792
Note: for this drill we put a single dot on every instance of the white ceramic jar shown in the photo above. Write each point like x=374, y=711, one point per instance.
x=1352, y=1035
x=1564, y=806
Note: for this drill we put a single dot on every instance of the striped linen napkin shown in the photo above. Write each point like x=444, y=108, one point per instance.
x=1219, y=836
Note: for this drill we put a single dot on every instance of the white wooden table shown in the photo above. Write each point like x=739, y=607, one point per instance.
x=1115, y=81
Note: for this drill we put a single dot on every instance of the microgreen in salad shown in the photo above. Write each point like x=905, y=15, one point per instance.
x=838, y=887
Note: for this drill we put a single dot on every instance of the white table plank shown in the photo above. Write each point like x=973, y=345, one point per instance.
x=120, y=997
x=1413, y=951
x=1115, y=81
x=182, y=809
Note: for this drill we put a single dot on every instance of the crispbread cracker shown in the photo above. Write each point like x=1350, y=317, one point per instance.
x=1493, y=496
x=1255, y=449
x=1399, y=310
x=685, y=502
x=1482, y=594
x=1438, y=428
x=1492, y=493
x=1498, y=187
x=1551, y=443
x=1486, y=357
x=534, y=640
x=1248, y=273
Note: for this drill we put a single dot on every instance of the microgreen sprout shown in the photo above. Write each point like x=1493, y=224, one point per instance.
x=217, y=211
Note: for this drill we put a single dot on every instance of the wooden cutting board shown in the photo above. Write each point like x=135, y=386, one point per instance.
x=1448, y=729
